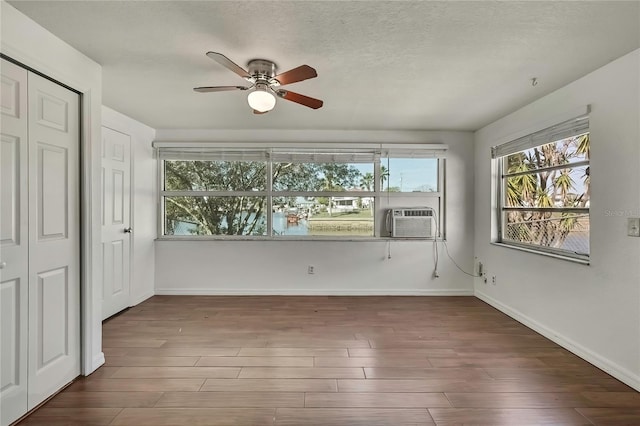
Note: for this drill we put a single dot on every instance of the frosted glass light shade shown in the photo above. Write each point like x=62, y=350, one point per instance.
x=261, y=100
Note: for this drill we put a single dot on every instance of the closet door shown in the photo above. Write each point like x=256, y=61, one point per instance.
x=14, y=240
x=54, y=235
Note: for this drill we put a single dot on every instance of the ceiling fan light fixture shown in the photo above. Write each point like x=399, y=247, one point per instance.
x=264, y=84
x=261, y=99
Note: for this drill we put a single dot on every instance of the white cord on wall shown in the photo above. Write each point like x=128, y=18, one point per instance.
x=435, y=243
x=435, y=252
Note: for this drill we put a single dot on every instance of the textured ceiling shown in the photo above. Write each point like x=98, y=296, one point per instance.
x=410, y=65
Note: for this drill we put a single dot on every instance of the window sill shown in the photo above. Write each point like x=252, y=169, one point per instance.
x=296, y=238
x=581, y=261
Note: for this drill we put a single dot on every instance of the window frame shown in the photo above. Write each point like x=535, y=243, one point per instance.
x=548, y=135
x=436, y=151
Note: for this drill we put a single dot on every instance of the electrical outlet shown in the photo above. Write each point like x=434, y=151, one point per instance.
x=493, y=280
x=633, y=226
x=480, y=268
x=310, y=269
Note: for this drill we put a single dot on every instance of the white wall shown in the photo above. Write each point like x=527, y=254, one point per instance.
x=357, y=267
x=593, y=310
x=27, y=42
x=144, y=178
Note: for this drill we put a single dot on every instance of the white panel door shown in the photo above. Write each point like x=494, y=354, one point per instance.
x=116, y=221
x=54, y=235
x=14, y=244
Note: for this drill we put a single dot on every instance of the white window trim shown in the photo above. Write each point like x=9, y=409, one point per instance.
x=568, y=128
x=198, y=150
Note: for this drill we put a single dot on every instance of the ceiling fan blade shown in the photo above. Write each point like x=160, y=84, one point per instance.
x=206, y=89
x=300, y=99
x=303, y=72
x=229, y=64
x=255, y=111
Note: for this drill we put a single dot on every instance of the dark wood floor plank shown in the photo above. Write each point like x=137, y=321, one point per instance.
x=150, y=361
x=354, y=330
x=554, y=353
x=461, y=385
x=105, y=399
x=179, y=352
x=318, y=342
x=136, y=385
x=195, y=416
x=227, y=399
x=375, y=400
x=71, y=416
x=507, y=416
x=589, y=373
x=256, y=361
x=451, y=342
x=271, y=385
x=523, y=362
x=300, y=373
x=176, y=372
x=304, y=352
x=426, y=373
x=516, y=399
x=108, y=342
x=351, y=417
x=406, y=362
x=187, y=342
x=612, y=416
x=613, y=399
x=393, y=352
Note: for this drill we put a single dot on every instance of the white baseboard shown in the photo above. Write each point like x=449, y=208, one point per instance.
x=141, y=299
x=588, y=355
x=293, y=292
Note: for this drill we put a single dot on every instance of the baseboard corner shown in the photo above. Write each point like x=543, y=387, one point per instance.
x=138, y=300
x=96, y=363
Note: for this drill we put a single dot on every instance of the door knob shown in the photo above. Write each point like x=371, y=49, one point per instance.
x=3, y=264
x=128, y=230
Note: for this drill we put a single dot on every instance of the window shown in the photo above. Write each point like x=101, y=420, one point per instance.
x=279, y=192
x=214, y=193
x=409, y=174
x=543, y=190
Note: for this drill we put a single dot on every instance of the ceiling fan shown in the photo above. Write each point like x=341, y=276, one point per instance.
x=264, y=83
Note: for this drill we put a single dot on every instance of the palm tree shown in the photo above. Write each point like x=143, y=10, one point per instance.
x=534, y=186
x=584, y=149
x=367, y=181
x=384, y=176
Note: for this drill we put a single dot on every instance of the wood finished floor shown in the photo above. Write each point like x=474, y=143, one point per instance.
x=183, y=360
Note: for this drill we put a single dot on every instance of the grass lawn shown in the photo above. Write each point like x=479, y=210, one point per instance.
x=364, y=214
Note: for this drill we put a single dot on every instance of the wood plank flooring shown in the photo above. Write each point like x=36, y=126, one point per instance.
x=183, y=360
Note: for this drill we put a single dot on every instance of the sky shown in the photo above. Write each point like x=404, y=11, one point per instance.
x=409, y=174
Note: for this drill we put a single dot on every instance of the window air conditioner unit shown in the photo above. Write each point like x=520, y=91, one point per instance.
x=413, y=222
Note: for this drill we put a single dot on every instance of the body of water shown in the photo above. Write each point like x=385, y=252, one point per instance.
x=281, y=227
x=301, y=227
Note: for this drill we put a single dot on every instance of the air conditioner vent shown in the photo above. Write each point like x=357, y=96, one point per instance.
x=413, y=222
